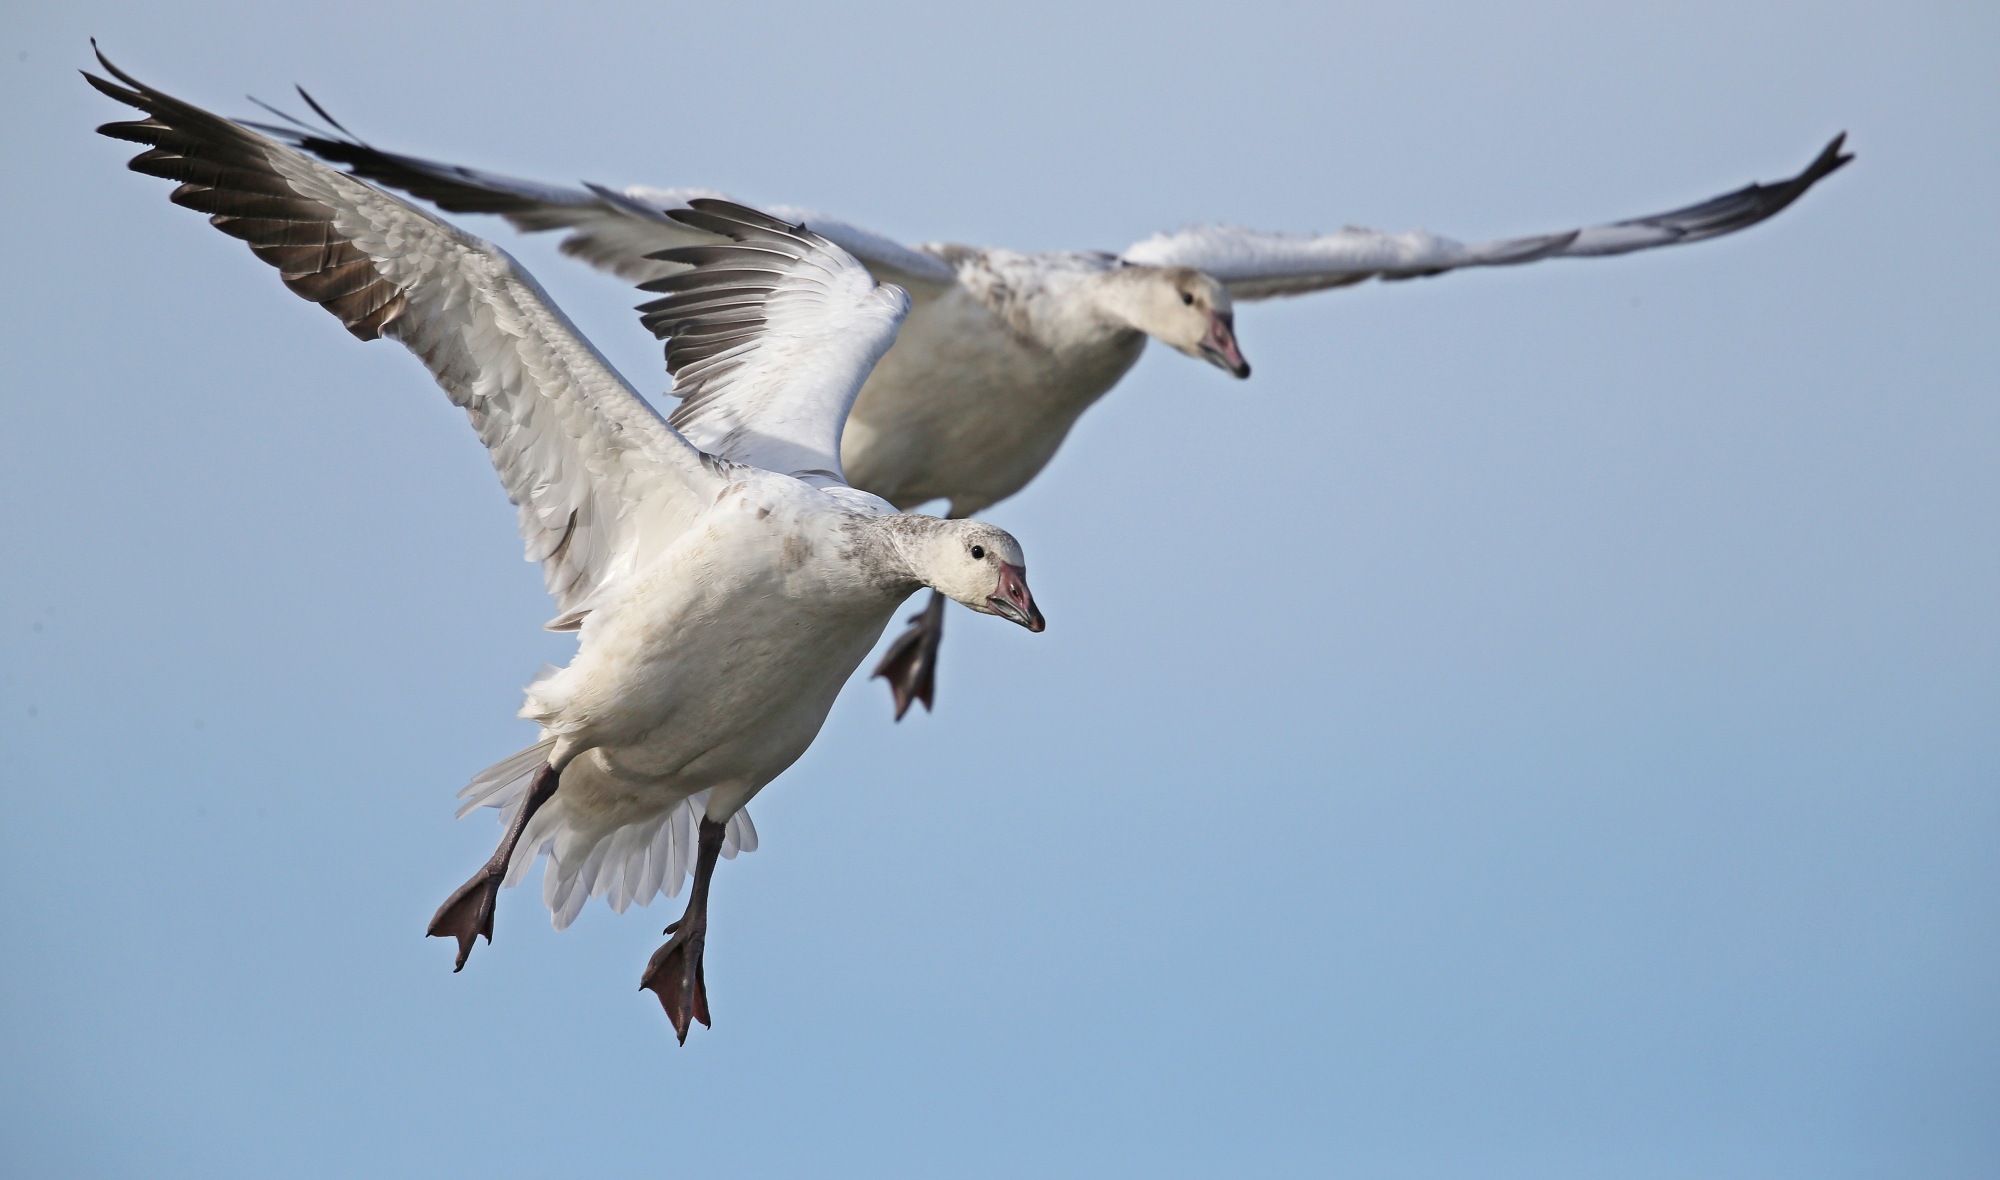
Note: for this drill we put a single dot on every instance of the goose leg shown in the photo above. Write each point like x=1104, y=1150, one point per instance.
x=468, y=913
x=674, y=972
x=910, y=666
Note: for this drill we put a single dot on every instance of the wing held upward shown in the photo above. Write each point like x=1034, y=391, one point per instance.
x=595, y=472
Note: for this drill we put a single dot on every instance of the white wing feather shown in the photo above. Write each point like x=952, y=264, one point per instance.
x=769, y=339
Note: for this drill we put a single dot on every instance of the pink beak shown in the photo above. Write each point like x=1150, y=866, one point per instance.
x=1011, y=601
x=1219, y=346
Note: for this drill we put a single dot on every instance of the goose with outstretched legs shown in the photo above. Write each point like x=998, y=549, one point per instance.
x=722, y=577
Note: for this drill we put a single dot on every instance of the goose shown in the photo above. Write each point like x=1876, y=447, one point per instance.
x=1004, y=350
x=723, y=578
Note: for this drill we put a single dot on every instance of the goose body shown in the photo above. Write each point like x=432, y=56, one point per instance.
x=1025, y=356
x=723, y=578
x=710, y=684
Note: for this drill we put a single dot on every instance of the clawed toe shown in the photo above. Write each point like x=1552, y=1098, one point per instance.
x=467, y=914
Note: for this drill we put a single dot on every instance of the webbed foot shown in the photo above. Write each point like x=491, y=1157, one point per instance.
x=674, y=975
x=910, y=665
x=468, y=913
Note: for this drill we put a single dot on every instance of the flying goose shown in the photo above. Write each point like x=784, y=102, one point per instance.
x=1004, y=350
x=722, y=577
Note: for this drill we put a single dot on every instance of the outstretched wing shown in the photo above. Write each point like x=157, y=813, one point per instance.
x=769, y=338
x=597, y=475
x=613, y=231
x=1257, y=265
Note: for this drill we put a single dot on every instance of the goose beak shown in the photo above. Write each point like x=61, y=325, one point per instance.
x=1219, y=346
x=1011, y=601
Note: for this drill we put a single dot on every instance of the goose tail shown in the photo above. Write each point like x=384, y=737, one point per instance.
x=624, y=859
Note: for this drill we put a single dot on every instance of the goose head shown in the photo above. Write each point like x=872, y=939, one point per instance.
x=974, y=563
x=1179, y=306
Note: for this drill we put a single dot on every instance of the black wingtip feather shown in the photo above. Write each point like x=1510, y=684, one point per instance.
x=330, y=120
x=114, y=71
x=297, y=127
x=226, y=170
x=740, y=213
x=1831, y=159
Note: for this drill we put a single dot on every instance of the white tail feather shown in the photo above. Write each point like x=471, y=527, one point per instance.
x=739, y=836
x=627, y=865
x=501, y=783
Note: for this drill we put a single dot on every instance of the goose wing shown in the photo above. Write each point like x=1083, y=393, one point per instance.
x=612, y=230
x=769, y=338
x=1259, y=265
x=598, y=477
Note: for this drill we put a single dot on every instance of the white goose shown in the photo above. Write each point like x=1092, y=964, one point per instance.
x=721, y=595
x=1003, y=351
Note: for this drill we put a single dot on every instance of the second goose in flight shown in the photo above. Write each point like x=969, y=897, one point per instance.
x=1004, y=350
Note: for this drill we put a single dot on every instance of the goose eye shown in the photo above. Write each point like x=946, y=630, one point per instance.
x=1187, y=297
x=979, y=553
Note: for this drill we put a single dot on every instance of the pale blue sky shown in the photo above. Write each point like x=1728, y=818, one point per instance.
x=1542, y=725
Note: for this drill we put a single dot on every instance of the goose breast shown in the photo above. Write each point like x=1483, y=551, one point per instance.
x=721, y=659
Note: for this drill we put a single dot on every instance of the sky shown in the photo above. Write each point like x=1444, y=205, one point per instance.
x=1542, y=725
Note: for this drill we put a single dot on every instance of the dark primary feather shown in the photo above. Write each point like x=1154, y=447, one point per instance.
x=223, y=171
x=1745, y=206
x=448, y=186
x=576, y=449
x=736, y=223
x=607, y=227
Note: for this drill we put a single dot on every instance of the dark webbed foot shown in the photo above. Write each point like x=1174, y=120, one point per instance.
x=468, y=913
x=674, y=971
x=910, y=666
x=674, y=975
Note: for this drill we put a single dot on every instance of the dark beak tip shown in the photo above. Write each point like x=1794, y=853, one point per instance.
x=1229, y=361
